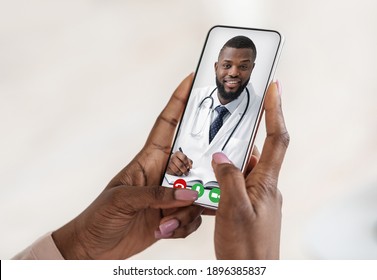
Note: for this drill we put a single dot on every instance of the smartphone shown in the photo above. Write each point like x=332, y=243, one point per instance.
x=224, y=107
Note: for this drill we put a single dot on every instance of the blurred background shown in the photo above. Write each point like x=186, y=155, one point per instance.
x=75, y=75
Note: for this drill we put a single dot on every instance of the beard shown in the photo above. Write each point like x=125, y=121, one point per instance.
x=230, y=95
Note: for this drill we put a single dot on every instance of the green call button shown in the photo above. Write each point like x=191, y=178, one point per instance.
x=199, y=188
x=214, y=195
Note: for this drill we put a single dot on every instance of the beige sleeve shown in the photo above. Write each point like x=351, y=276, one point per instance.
x=42, y=249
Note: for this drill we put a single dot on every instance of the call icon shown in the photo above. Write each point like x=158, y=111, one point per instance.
x=199, y=188
x=179, y=184
x=214, y=195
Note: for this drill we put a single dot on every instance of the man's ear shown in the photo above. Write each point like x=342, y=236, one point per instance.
x=216, y=65
x=252, y=68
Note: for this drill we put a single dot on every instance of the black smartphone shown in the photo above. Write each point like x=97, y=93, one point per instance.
x=224, y=107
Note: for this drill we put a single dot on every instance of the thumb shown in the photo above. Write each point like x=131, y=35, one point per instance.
x=231, y=181
x=157, y=197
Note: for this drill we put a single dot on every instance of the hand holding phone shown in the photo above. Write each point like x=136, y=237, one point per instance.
x=254, y=200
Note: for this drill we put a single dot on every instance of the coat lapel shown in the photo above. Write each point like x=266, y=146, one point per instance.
x=227, y=128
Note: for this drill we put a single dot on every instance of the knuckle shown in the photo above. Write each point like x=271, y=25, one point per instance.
x=174, y=160
x=264, y=186
x=285, y=139
x=280, y=138
x=158, y=193
x=184, y=157
x=170, y=120
x=116, y=196
x=164, y=148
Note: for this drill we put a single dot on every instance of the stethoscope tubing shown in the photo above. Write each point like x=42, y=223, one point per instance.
x=211, y=108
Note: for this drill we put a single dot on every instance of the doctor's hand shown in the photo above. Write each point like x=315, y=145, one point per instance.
x=179, y=164
x=133, y=211
x=248, y=219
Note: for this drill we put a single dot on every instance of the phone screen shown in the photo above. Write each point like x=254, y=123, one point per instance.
x=224, y=107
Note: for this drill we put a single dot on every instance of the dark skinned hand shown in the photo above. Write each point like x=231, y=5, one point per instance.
x=134, y=211
x=248, y=219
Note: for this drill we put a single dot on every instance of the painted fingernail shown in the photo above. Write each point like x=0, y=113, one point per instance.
x=159, y=235
x=220, y=158
x=169, y=226
x=278, y=84
x=184, y=194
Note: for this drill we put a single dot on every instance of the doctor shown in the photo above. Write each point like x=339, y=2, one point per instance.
x=219, y=118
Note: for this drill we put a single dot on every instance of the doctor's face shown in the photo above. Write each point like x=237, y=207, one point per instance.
x=233, y=71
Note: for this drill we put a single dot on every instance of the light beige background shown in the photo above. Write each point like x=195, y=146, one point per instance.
x=81, y=83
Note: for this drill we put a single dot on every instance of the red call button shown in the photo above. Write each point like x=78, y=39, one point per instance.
x=180, y=184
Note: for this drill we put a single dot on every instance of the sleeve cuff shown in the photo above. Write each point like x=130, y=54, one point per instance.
x=42, y=249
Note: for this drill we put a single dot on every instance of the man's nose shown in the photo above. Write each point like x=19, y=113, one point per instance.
x=233, y=71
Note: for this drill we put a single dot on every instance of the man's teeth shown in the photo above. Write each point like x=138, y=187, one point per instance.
x=232, y=82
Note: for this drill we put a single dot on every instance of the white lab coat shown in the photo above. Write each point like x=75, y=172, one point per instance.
x=198, y=148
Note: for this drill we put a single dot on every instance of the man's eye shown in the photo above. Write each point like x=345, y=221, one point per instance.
x=244, y=67
x=226, y=66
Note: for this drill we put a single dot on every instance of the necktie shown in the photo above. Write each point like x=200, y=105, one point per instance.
x=218, y=122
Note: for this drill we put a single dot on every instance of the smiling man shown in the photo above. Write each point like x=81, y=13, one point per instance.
x=221, y=117
x=234, y=67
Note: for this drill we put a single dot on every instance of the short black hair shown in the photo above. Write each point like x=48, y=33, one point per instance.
x=240, y=42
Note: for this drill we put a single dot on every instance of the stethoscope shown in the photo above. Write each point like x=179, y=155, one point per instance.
x=210, y=98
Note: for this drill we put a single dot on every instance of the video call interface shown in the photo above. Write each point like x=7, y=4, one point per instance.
x=223, y=108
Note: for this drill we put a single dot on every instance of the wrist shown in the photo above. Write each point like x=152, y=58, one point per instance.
x=68, y=242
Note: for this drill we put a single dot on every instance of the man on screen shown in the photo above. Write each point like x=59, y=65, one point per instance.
x=219, y=118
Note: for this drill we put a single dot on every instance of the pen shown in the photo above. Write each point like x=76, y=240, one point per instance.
x=180, y=149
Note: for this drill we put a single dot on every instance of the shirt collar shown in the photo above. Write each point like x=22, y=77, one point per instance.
x=231, y=106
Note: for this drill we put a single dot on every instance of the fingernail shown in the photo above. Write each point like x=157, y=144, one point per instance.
x=278, y=84
x=159, y=235
x=220, y=158
x=182, y=194
x=168, y=227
